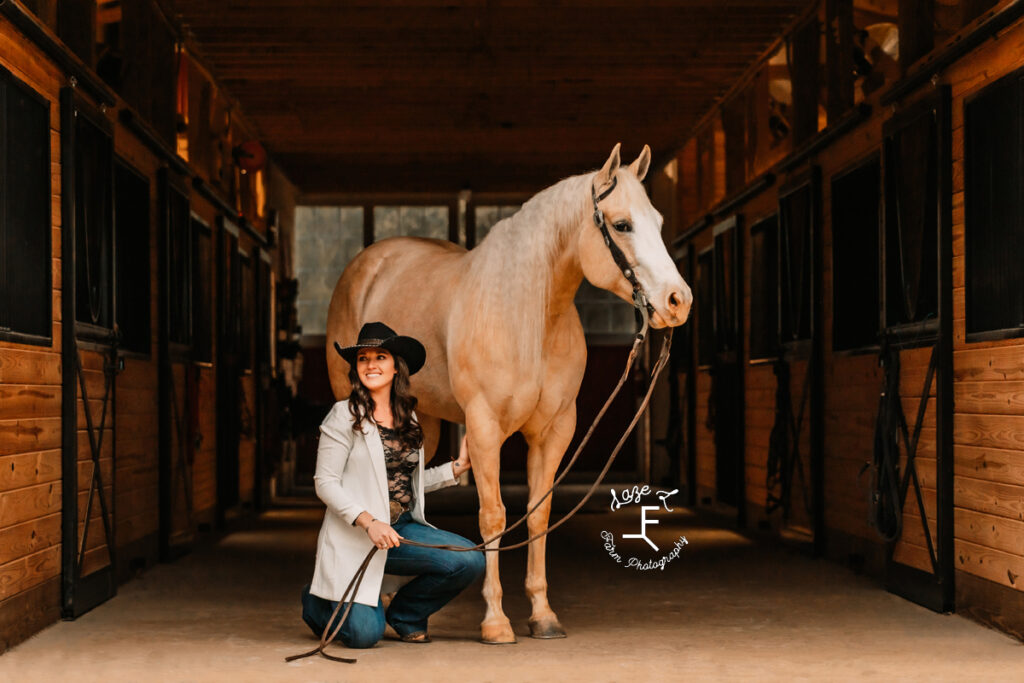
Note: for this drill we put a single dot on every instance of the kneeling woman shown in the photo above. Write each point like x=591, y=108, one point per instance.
x=370, y=474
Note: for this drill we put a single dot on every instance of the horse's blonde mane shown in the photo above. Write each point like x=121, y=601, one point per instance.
x=510, y=275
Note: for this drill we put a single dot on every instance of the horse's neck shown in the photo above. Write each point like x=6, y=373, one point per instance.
x=539, y=245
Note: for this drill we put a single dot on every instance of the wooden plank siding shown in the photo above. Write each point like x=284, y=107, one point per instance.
x=30, y=410
x=988, y=430
x=31, y=379
x=988, y=376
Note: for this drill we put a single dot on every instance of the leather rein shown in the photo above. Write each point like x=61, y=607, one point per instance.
x=643, y=309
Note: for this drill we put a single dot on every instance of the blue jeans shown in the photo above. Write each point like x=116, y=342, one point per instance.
x=440, y=576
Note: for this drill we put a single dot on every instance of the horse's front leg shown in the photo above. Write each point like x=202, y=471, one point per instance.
x=485, y=439
x=546, y=451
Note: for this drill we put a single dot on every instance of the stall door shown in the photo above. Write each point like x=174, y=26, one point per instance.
x=795, y=483
x=914, y=458
x=177, y=373
x=89, y=357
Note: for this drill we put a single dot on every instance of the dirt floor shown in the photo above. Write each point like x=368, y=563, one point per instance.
x=724, y=609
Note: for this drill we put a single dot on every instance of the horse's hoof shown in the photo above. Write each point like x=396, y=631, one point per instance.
x=497, y=634
x=546, y=629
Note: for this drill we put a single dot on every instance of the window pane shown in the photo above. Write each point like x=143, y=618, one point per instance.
x=410, y=221
x=179, y=269
x=994, y=227
x=855, y=257
x=93, y=224
x=796, y=215
x=487, y=216
x=911, y=222
x=705, y=297
x=726, y=322
x=131, y=203
x=25, y=266
x=202, y=293
x=764, y=289
x=326, y=239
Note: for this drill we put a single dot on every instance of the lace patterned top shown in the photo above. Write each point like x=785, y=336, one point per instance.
x=400, y=464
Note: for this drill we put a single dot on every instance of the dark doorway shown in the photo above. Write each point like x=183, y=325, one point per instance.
x=726, y=366
x=230, y=360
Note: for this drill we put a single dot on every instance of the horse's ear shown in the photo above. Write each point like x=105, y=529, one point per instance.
x=604, y=176
x=642, y=163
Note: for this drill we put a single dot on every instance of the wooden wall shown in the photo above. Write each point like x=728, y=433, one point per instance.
x=30, y=416
x=988, y=380
x=31, y=377
x=988, y=426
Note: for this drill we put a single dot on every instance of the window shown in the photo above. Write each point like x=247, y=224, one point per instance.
x=326, y=239
x=264, y=313
x=705, y=296
x=229, y=314
x=248, y=311
x=131, y=216
x=485, y=217
x=91, y=194
x=797, y=217
x=179, y=264
x=855, y=258
x=603, y=313
x=994, y=210
x=764, y=289
x=26, y=292
x=726, y=279
x=410, y=221
x=202, y=291
x=914, y=143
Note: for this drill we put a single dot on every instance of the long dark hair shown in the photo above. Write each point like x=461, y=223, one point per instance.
x=361, y=404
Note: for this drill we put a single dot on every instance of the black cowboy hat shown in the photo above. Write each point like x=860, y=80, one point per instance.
x=379, y=335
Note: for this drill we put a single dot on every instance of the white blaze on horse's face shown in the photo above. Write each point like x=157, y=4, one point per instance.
x=635, y=225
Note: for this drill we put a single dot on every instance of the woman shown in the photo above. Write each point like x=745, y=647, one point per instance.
x=370, y=474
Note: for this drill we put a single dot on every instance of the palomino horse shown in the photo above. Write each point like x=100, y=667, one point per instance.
x=505, y=347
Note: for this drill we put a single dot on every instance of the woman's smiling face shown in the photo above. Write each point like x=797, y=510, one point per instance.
x=376, y=368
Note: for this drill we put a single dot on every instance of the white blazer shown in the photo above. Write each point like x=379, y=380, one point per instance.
x=351, y=477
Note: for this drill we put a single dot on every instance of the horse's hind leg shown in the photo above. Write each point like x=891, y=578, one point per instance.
x=546, y=451
x=485, y=447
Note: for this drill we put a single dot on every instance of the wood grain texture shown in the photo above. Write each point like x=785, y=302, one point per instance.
x=27, y=469
x=1002, y=500
x=989, y=431
x=988, y=563
x=991, y=464
x=21, y=540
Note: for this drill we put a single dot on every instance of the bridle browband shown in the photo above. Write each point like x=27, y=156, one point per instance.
x=640, y=300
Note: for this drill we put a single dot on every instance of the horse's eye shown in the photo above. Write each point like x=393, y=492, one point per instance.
x=623, y=226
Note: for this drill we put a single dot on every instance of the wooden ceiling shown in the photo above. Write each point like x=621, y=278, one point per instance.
x=430, y=96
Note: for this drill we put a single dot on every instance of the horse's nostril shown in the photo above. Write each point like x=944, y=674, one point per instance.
x=673, y=300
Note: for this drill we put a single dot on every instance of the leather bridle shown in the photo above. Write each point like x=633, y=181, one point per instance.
x=641, y=302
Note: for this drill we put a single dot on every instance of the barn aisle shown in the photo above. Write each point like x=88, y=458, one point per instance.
x=727, y=608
